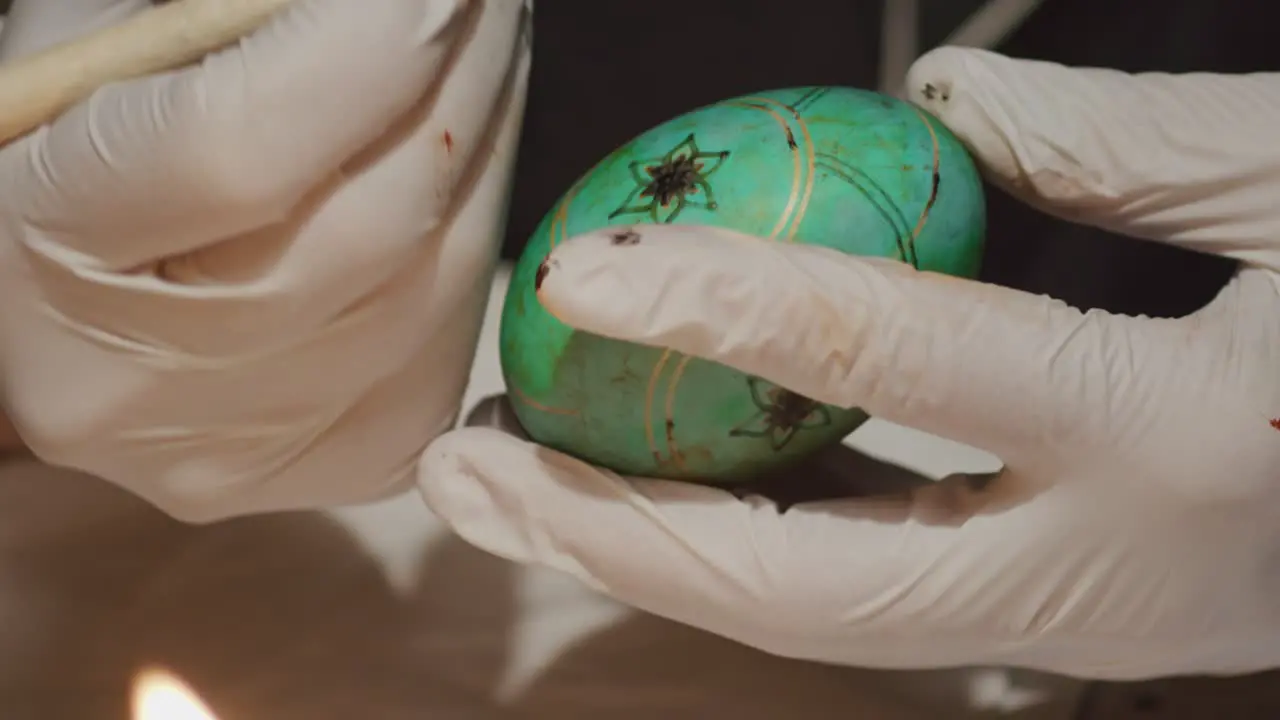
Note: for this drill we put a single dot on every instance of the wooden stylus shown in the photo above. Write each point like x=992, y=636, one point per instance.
x=34, y=89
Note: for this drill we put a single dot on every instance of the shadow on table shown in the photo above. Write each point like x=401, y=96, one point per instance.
x=292, y=617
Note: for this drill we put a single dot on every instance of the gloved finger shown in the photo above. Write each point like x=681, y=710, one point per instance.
x=1018, y=375
x=165, y=164
x=868, y=582
x=34, y=25
x=1185, y=159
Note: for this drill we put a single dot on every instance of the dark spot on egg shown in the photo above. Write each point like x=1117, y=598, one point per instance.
x=625, y=238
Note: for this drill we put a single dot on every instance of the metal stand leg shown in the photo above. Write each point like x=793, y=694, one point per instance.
x=899, y=43
x=987, y=27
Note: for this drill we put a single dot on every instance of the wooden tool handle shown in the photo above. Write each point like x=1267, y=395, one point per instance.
x=34, y=89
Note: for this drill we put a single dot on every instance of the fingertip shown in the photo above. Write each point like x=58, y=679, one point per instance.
x=486, y=474
x=975, y=93
x=1171, y=157
x=451, y=454
x=654, y=284
x=594, y=281
x=459, y=490
x=1069, y=140
x=933, y=78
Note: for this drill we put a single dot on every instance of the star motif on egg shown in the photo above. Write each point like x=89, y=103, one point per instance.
x=665, y=186
x=780, y=414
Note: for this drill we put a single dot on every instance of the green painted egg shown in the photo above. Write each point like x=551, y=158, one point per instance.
x=848, y=169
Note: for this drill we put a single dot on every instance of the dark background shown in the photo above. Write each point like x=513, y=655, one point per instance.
x=606, y=71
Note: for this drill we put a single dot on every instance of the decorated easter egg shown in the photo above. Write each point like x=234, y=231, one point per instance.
x=852, y=170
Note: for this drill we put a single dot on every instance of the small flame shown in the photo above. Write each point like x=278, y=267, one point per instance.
x=158, y=695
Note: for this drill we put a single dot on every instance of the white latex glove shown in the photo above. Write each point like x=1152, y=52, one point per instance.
x=1135, y=529
x=256, y=283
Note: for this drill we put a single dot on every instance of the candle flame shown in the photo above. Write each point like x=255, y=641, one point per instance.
x=159, y=695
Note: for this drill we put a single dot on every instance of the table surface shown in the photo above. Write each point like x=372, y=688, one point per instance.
x=376, y=611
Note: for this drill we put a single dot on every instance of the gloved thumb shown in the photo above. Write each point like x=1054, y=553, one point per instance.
x=1009, y=372
x=1184, y=159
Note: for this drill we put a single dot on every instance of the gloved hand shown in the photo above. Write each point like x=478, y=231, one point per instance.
x=1135, y=528
x=256, y=283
